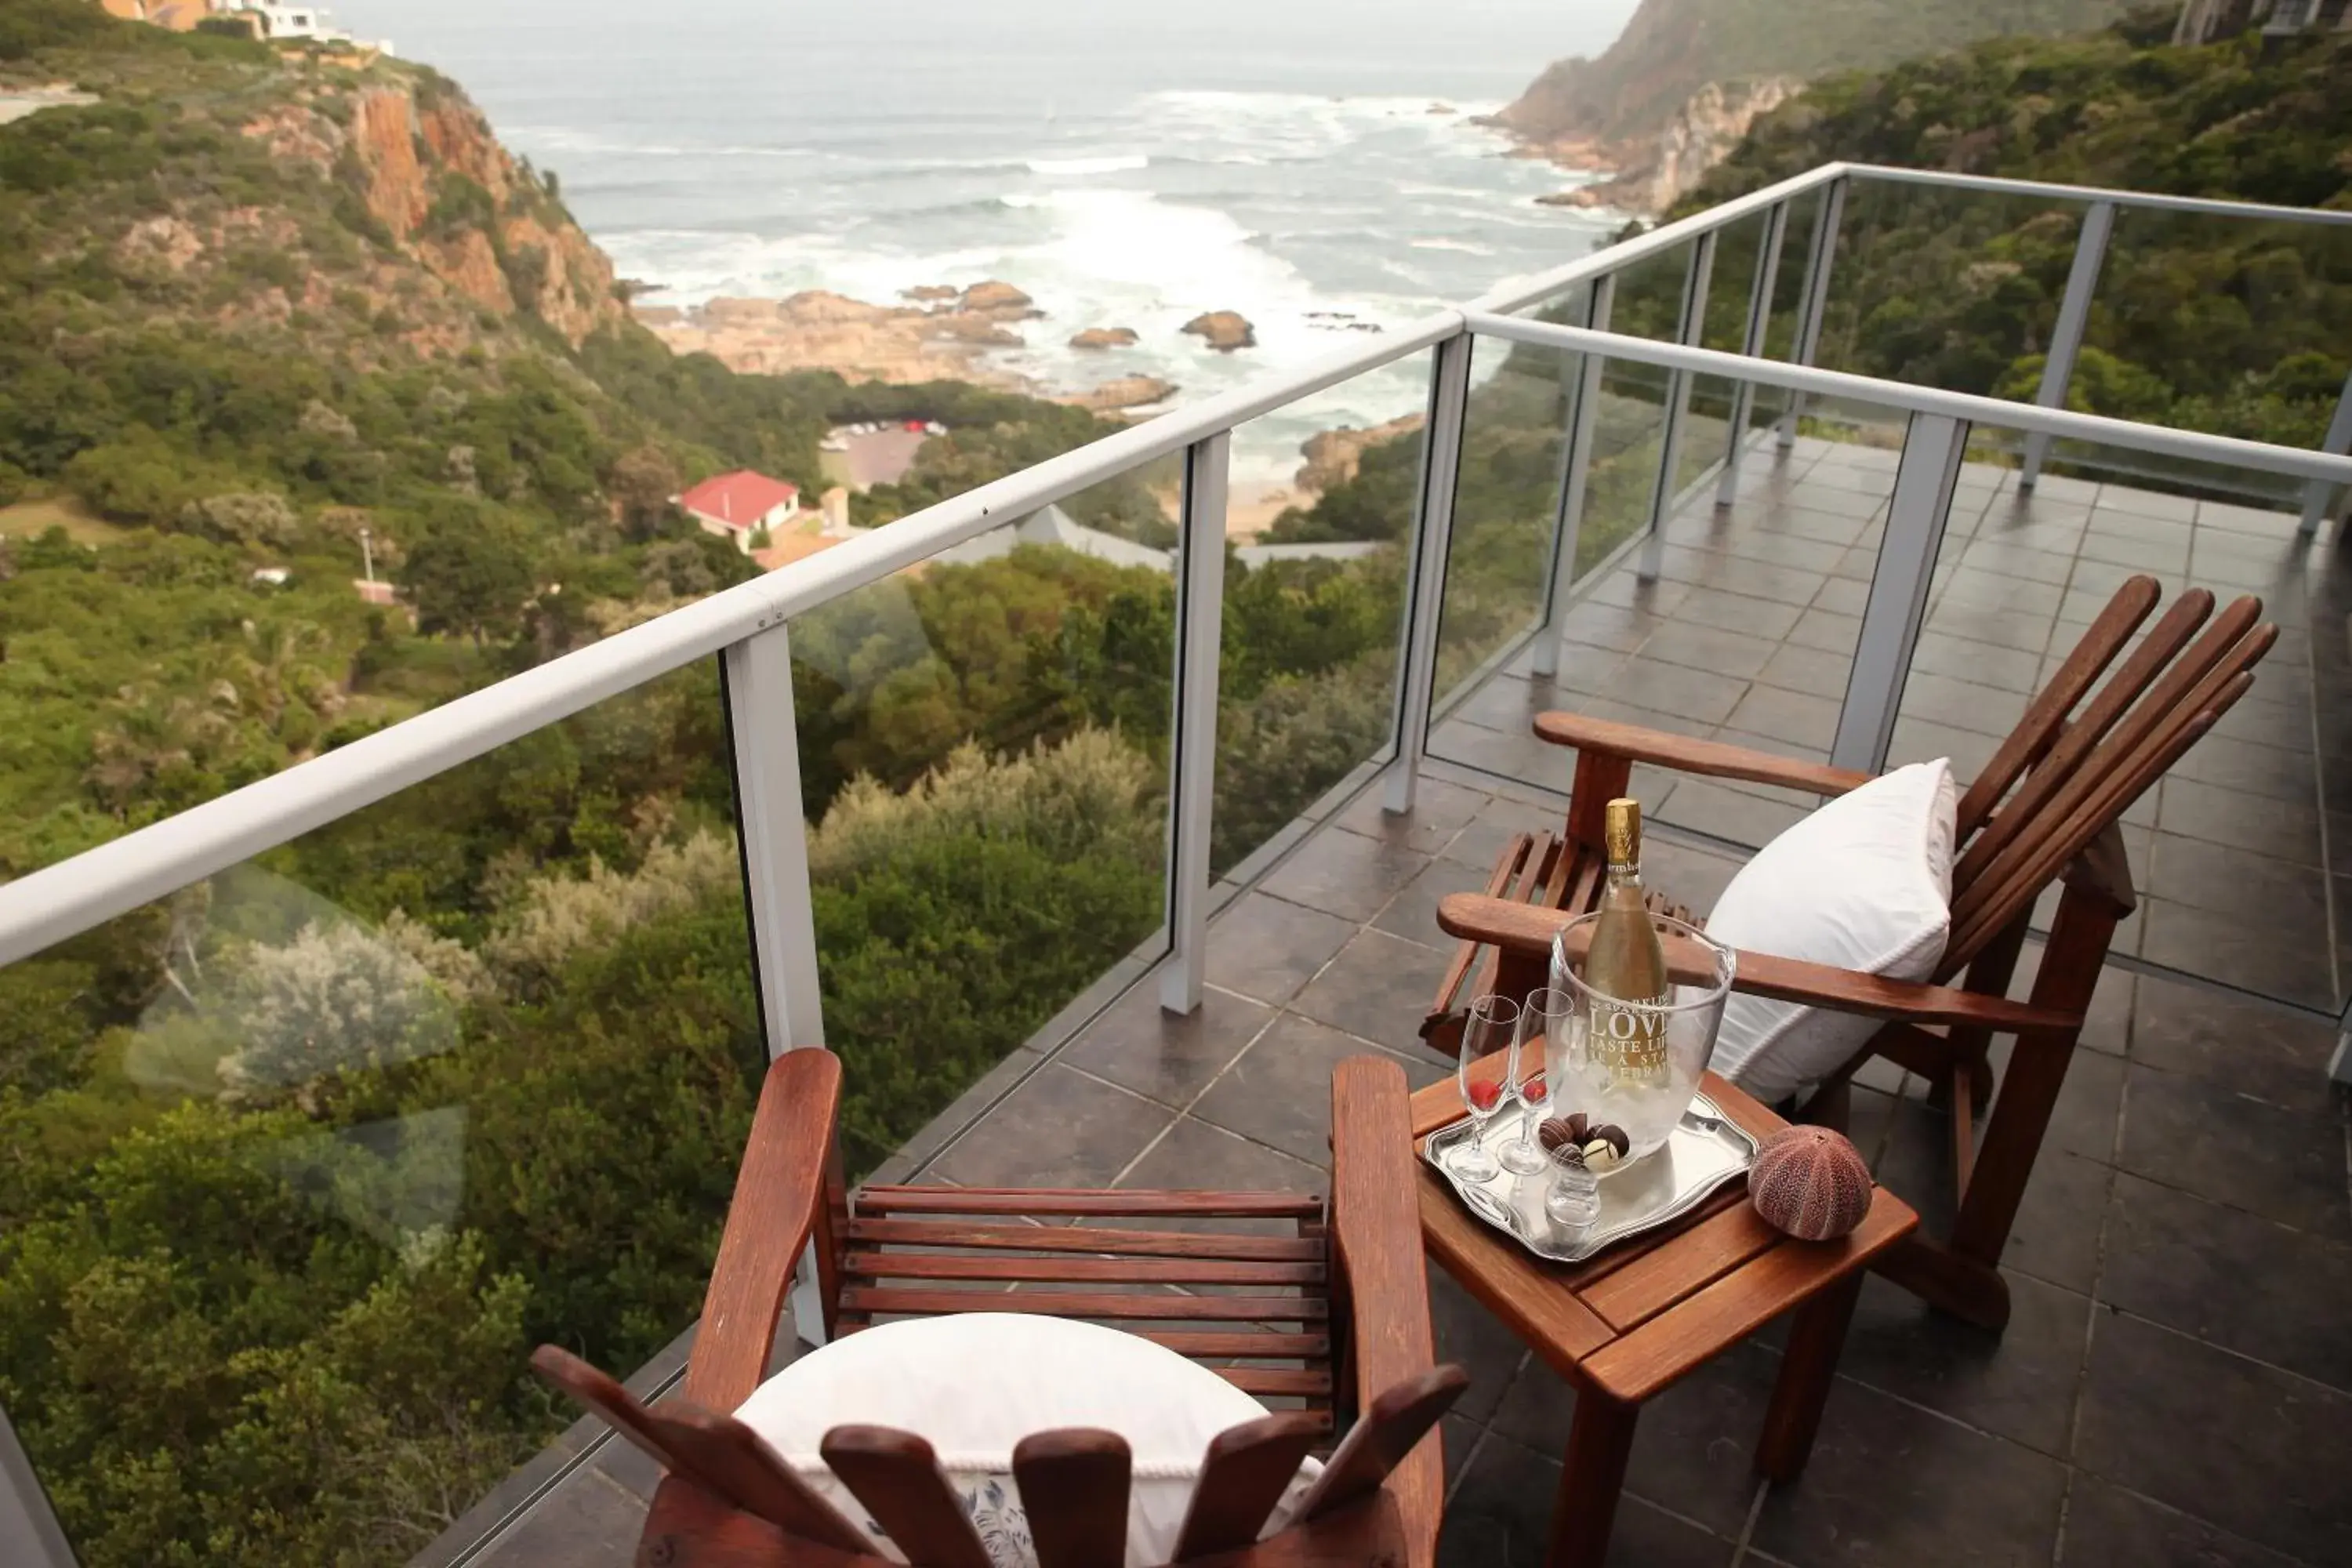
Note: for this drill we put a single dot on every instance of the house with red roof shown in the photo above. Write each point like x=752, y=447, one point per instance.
x=738, y=505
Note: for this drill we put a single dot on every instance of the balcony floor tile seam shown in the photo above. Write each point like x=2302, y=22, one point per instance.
x=2111, y=1310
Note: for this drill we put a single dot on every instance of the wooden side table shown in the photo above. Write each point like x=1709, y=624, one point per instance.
x=1627, y=1324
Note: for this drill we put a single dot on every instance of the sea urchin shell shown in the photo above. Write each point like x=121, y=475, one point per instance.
x=1809, y=1183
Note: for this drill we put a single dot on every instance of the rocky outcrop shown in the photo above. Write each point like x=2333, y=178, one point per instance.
x=1334, y=456
x=997, y=299
x=1105, y=338
x=821, y=331
x=1651, y=176
x=1224, y=330
x=1125, y=392
x=930, y=293
x=403, y=143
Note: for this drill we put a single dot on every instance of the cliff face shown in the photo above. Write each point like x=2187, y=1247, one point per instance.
x=425, y=164
x=1686, y=79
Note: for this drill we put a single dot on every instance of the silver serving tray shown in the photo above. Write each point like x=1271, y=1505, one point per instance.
x=1705, y=1151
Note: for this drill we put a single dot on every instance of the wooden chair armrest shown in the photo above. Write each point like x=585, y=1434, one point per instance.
x=790, y=1172
x=1526, y=930
x=1376, y=1221
x=1714, y=759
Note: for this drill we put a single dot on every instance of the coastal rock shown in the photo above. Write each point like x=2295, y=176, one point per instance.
x=1334, y=456
x=998, y=298
x=1650, y=174
x=1105, y=338
x=1125, y=392
x=930, y=293
x=1224, y=330
x=822, y=330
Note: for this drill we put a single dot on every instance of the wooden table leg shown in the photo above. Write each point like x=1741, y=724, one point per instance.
x=1807, y=1368
x=1599, y=1443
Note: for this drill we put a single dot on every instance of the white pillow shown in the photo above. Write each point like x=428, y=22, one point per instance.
x=1864, y=883
x=975, y=1383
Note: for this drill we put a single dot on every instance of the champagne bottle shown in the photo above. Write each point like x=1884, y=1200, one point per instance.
x=1626, y=963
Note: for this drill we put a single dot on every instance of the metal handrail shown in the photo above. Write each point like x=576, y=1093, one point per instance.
x=2229, y=451
x=1992, y=184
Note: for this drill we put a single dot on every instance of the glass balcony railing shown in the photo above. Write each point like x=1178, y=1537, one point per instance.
x=325, y=1097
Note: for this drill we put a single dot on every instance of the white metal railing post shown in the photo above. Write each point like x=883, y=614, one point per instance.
x=1576, y=472
x=2319, y=493
x=1192, y=726
x=1930, y=469
x=773, y=830
x=1687, y=332
x=2066, y=338
x=1753, y=345
x=1432, y=532
x=1816, y=301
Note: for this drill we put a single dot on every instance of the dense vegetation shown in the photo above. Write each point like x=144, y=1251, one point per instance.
x=2208, y=323
x=296, y=1165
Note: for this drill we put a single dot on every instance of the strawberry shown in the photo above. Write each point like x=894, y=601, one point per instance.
x=1485, y=1095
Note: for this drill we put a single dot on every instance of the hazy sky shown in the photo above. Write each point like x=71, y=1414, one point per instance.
x=1501, y=41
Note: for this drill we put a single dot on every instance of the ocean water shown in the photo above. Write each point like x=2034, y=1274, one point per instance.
x=1311, y=165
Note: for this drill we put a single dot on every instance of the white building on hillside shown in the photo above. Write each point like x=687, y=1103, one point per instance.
x=282, y=23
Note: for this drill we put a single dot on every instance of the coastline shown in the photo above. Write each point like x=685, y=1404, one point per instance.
x=947, y=333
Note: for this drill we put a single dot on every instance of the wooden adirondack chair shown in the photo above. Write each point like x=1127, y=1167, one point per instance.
x=1340, y=1302
x=2045, y=809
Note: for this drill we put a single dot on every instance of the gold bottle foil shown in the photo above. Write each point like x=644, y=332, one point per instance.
x=1623, y=831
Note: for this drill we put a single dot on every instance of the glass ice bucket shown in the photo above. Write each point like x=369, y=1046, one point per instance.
x=1647, y=1109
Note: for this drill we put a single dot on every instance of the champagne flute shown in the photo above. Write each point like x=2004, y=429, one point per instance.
x=1545, y=1017
x=1491, y=1028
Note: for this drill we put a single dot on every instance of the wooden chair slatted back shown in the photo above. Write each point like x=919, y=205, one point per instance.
x=2073, y=741
x=2067, y=775
x=1074, y=1483
x=721, y=1453
x=1248, y=1469
x=2090, y=815
x=897, y=1476
x=2035, y=731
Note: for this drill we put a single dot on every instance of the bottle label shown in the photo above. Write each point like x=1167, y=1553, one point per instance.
x=1630, y=1045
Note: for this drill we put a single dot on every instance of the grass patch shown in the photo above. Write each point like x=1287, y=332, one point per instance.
x=31, y=519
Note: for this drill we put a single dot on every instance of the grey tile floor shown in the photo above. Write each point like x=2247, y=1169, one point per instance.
x=2242, y=854
x=2176, y=1386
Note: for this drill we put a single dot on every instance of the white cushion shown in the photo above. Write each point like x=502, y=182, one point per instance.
x=974, y=1384
x=1864, y=883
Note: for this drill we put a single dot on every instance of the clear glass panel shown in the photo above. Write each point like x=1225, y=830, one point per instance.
x=1506, y=503
x=2216, y=324
x=1628, y=436
x=1651, y=292
x=303, y=1161
x=1749, y=634
x=1322, y=503
x=2230, y=850
x=1706, y=431
x=1738, y=249
x=1945, y=287
x=1789, y=284
x=983, y=744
